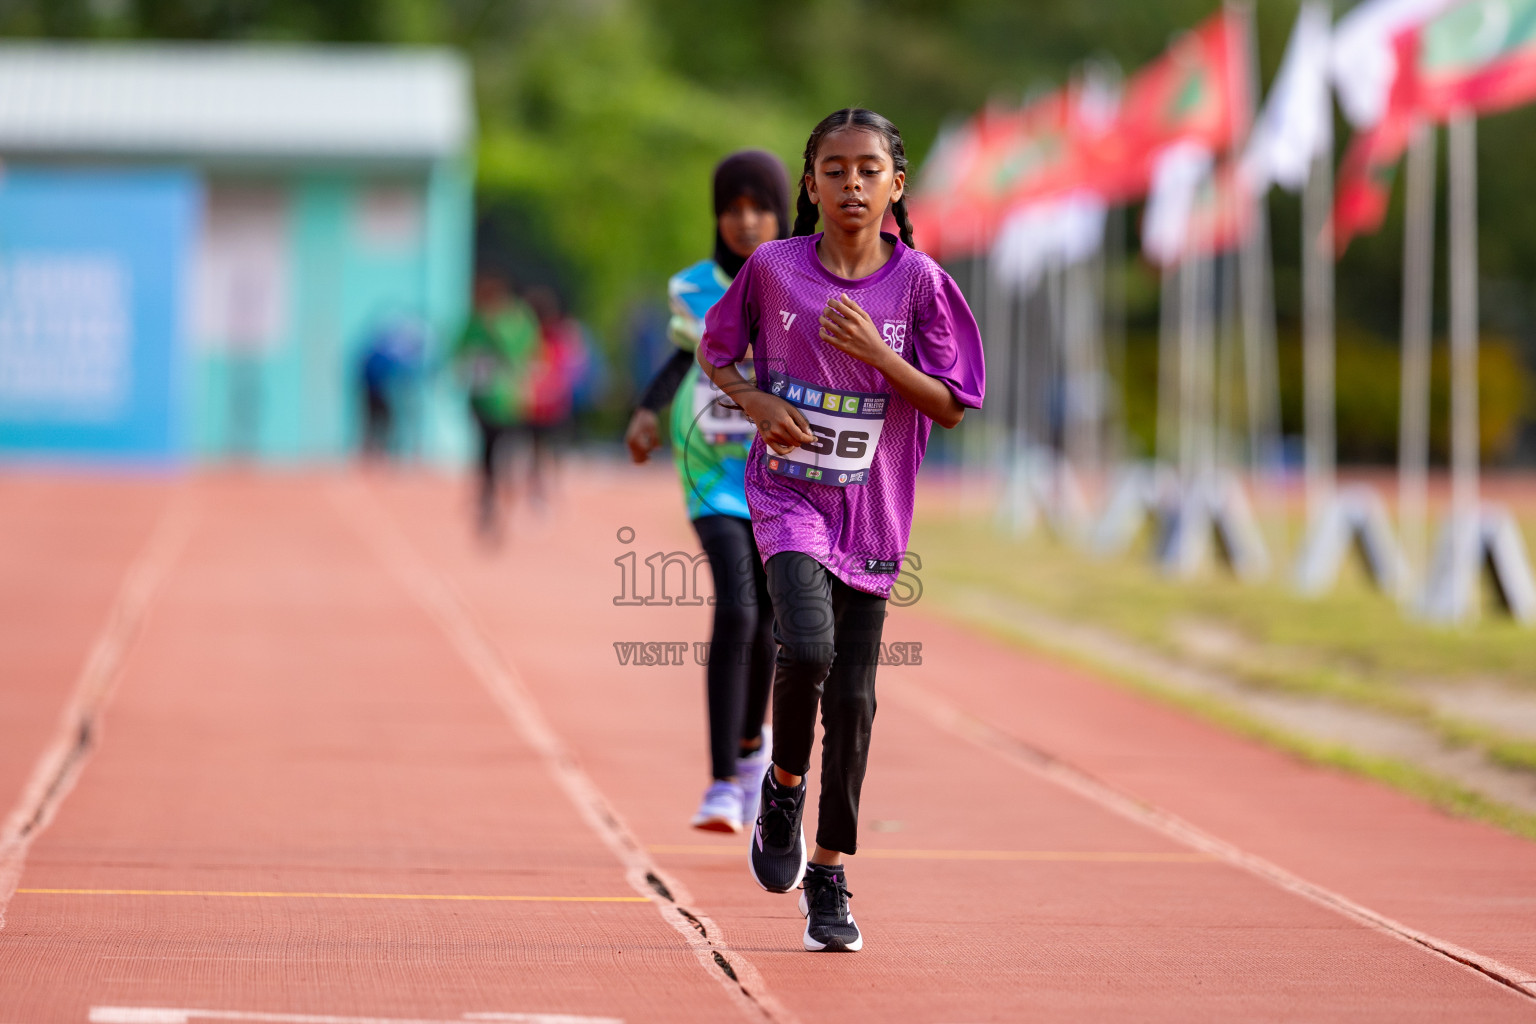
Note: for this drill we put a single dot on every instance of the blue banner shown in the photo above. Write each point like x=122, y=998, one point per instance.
x=94, y=269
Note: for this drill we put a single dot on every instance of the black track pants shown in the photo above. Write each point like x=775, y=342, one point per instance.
x=492, y=456
x=829, y=647
x=741, y=647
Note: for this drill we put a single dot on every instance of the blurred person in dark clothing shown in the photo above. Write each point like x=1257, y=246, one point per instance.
x=494, y=355
x=392, y=356
x=561, y=362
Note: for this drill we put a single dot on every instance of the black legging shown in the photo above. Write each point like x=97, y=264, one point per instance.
x=830, y=637
x=492, y=438
x=741, y=648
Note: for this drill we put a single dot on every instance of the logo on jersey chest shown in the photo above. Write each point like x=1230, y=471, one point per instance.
x=893, y=332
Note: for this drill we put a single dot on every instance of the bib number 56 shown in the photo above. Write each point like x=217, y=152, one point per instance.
x=845, y=444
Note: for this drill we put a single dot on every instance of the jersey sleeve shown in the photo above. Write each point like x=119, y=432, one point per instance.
x=684, y=330
x=686, y=327
x=731, y=324
x=948, y=344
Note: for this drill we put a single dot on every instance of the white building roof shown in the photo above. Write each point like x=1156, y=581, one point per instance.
x=221, y=101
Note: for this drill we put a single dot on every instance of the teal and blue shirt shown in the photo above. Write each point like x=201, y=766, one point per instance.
x=713, y=473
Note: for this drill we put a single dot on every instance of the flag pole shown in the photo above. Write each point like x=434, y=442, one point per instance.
x=1189, y=369
x=1318, y=337
x=1167, y=366
x=1031, y=373
x=1078, y=363
x=1255, y=295
x=1418, y=308
x=1228, y=341
x=1462, y=137
x=1112, y=284
x=978, y=438
x=1051, y=442
x=999, y=336
x=1203, y=374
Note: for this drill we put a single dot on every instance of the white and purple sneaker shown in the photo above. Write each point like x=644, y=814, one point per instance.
x=777, y=855
x=721, y=808
x=751, y=769
x=829, y=924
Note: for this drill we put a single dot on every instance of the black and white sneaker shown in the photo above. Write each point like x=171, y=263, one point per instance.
x=777, y=856
x=829, y=926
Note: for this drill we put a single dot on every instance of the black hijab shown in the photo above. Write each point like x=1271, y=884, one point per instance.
x=759, y=176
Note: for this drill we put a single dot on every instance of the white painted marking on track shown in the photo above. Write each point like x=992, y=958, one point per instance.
x=167, y=1015
x=455, y=617
x=1043, y=764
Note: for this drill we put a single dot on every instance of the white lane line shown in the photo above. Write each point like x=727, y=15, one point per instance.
x=436, y=594
x=168, y=1015
x=1041, y=763
x=78, y=733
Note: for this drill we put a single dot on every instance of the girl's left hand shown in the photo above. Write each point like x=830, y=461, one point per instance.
x=846, y=326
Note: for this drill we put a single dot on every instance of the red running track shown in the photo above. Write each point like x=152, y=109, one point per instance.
x=345, y=765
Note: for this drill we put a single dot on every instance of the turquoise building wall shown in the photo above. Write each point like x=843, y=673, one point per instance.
x=304, y=386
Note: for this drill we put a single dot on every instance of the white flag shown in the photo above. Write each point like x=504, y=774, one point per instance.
x=1364, y=62
x=1181, y=169
x=1049, y=232
x=1296, y=124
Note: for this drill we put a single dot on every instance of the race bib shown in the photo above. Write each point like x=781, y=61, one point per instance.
x=713, y=414
x=847, y=426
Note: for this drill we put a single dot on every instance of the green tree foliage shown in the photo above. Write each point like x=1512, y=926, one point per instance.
x=600, y=119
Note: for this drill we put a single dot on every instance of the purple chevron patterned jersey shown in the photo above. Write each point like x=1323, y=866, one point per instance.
x=847, y=500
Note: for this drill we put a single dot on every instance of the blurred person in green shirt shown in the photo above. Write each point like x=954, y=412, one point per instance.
x=494, y=355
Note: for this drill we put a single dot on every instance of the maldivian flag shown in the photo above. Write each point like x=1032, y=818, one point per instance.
x=934, y=221
x=1479, y=56
x=985, y=165
x=1364, y=184
x=1196, y=92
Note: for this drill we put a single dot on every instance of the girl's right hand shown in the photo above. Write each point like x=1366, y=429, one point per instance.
x=784, y=428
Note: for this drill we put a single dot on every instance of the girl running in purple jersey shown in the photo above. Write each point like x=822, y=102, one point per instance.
x=861, y=344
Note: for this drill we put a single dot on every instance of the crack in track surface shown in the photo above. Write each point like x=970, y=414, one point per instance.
x=453, y=615
x=59, y=766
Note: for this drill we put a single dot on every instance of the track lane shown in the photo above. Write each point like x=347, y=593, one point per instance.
x=291, y=721
x=1462, y=882
x=62, y=565
x=978, y=941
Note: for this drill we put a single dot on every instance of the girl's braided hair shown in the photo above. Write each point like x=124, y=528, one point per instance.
x=806, y=213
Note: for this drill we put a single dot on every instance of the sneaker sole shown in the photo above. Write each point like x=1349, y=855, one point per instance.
x=752, y=868
x=812, y=946
x=717, y=825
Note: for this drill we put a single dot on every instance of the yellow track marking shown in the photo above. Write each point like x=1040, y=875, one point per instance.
x=1084, y=856
x=336, y=895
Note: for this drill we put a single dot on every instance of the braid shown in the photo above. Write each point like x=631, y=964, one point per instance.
x=806, y=214
x=899, y=210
